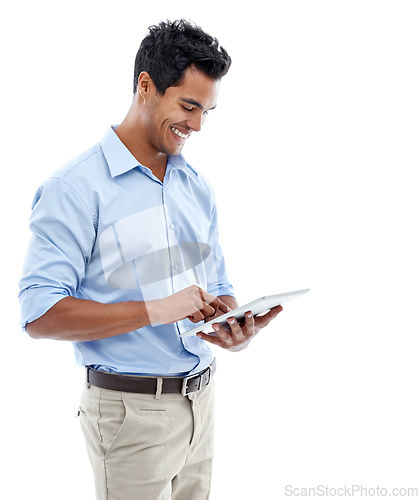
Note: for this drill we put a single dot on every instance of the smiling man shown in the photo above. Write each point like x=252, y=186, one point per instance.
x=158, y=125
x=125, y=257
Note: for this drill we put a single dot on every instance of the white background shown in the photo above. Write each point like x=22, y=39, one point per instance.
x=312, y=151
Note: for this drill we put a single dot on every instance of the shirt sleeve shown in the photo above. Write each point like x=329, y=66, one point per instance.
x=63, y=235
x=217, y=282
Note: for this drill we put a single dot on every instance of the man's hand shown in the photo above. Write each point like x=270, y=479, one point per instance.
x=192, y=303
x=240, y=334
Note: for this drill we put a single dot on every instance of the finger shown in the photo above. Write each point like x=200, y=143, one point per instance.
x=204, y=308
x=222, y=333
x=222, y=339
x=262, y=321
x=211, y=339
x=222, y=306
x=236, y=330
x=214, y=302
x=249, y=321
x=208, y=298
x=196, y=317
x=217, y=304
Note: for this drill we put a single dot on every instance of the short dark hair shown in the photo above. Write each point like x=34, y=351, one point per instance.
x=171, y=47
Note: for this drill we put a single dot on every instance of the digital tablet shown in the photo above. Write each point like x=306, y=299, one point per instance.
x=258, y=306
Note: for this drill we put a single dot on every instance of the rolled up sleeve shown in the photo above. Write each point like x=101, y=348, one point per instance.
x=63, y=235
x=218, y=281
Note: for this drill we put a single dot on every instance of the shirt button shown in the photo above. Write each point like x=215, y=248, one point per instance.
x=172, y=226
x=176, y=266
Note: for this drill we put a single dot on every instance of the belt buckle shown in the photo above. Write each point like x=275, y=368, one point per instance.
x=185, y=387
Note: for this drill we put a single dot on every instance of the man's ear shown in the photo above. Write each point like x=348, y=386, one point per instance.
x=145, y=85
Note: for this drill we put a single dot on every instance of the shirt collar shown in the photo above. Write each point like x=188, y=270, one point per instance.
x=120, y=159
x=178, y=162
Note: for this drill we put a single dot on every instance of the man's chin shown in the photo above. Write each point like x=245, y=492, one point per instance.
x=176, y=151
x=172, y=151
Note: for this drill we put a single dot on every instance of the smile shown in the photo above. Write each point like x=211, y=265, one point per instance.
x=179, y=133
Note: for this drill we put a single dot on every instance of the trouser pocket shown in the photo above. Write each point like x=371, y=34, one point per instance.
x=102, y=416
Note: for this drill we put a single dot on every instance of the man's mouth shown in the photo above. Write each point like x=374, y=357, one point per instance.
x=179, y=133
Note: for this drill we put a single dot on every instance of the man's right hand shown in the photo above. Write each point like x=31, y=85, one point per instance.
x=80, y=320
x=192, y=303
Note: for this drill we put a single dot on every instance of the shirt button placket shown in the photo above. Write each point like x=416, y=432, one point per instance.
x=172, y=242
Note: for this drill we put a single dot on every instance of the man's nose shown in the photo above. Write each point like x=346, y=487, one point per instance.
x=196, y=122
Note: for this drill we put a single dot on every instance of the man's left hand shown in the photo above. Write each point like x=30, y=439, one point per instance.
x=240, y=334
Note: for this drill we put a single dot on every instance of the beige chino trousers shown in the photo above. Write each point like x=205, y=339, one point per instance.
x=143, y=448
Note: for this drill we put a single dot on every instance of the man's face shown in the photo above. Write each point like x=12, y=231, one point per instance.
x=172, y=118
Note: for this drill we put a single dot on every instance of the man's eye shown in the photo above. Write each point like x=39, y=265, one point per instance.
x=187, y=109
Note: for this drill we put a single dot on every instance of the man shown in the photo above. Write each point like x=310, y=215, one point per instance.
x=124, y=257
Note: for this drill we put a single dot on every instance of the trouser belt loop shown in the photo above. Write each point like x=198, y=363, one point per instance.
x=87, y=377
x=159, y=387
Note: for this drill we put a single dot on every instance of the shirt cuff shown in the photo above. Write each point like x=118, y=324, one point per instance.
x=35, y=302
x=218, y=290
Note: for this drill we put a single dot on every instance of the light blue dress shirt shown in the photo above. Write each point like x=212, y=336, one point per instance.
x=104, y=228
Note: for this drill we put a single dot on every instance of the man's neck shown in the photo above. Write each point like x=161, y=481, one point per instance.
x=153, y=160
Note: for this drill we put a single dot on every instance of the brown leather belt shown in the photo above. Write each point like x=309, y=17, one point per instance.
x=149, y=385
